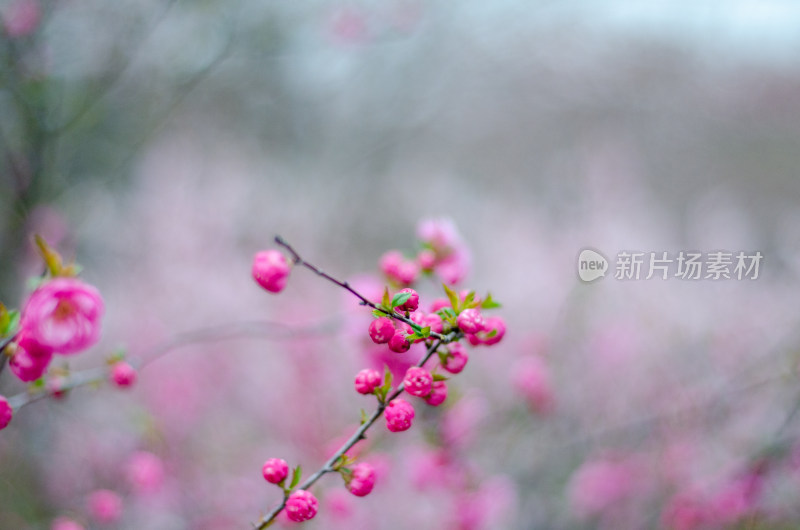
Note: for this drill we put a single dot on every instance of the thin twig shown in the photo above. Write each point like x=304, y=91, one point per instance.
x=300, y=261
x=357, y=436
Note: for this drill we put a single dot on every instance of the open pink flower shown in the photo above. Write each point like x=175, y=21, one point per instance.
x=63, y=316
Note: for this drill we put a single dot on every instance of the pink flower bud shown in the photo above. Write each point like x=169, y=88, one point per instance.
x=271, y=270
x=390, y=263
x=362, y=479
x=6, y=413
x=381, y=330
x=439, y=303
x=62, y=523
x=456, y=359
x=413, y=301
x=418, y=381
x=438, y=394
x=30, y=360
x=407, y=273
x=55, y=386
x=470, y=321
x=433, y=321
x=21, y=17
x=145, y=472
x=399, y=343
x=399, y=414
x=105, y=506
x=531, y=378
x=367, y=380
x=441, y=234
x=123, y=374
x=301, y=506
x=494, y=328
x=454, y=267
x=275, y=470
x=63, y=316
x=426, y=260
x=398, y=269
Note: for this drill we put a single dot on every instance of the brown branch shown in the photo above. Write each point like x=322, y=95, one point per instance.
x=300, y=261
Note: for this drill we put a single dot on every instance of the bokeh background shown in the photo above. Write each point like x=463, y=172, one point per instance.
x=162, y=143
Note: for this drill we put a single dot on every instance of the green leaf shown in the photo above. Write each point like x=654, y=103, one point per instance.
x=378, y=313
x=386, y=301
x=425, y=332
x=51, y=258
x=448, y=315
x=468, y=300
x=488, y=303
x=9, y=322
x=387, y=378
x=364, y=417
x=400, y=299
x=296, y=474
x=439, y=377
x=451, y=294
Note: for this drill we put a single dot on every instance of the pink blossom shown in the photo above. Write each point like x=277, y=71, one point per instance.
x=381, y=330
x=62, y=523
x=494, y=328
x=426, y=259
x=275, y=470
x=399, y=343
x=418, y=381
x=399, y=269
x=456, y=358
x=399, y=415
x=362, y=479
x=367, y=380
x=63, y=316
x=21, y=17
x=6, y=413
x=440, y=234
x=30, y=360
x=123, y=374
x=145, y=472
x=470, y=321
x=413, y=301
x=271, y=270
x=455, y=267
x=438, y=394
x=55, y=386
x=433, y=321
x=439, y=303
x=105, y=506
x=301, y=506
x=531, y=378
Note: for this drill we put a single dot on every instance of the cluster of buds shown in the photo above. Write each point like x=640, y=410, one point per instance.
x=442, y=253
x=399, y=321
x=450, y=319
